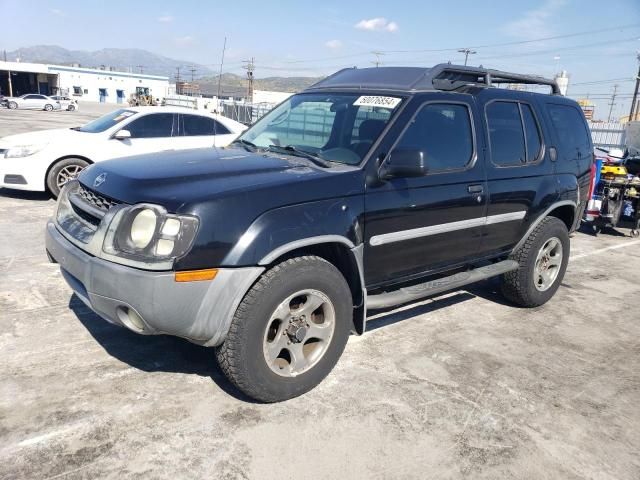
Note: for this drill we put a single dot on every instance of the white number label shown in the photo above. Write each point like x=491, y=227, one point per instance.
x=375, y=101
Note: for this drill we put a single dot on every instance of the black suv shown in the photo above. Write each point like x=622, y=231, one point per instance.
x=372, y=188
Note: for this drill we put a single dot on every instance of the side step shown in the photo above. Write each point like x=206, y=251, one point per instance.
x=414, y=292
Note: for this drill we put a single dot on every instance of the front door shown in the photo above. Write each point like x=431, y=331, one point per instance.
x=149, y=133
x=414, y=226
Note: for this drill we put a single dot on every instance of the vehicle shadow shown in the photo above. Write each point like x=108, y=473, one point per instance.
x=153, y=353
x=25, y=195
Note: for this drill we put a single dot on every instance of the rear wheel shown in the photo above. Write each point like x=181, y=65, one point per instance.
x=71, y=108
x=289, y=331
x=62, y=172
x=12, y=105
x=48, y=107
x=543, y=261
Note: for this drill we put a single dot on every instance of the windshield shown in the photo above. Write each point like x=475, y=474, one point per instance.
x=335, y=127
x=107, y=121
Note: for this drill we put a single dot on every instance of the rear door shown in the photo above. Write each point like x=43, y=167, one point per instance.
x=519, y=172
x=418, y=225
x=199, y=131
x=33, y=102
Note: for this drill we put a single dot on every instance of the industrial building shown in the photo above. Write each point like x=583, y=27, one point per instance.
x=88, y=84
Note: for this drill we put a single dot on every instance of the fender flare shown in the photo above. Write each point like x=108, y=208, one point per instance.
x=541, y=217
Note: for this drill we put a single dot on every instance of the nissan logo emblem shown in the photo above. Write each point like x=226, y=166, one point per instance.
x=100, y=179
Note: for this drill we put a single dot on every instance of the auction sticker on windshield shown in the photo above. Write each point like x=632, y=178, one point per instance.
x=376, y=101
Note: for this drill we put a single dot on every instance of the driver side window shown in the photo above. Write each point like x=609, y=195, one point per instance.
x=154, y=125
x=443, y=132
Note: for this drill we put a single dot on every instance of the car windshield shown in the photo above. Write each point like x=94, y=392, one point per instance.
x=330, y=126
x=107, y=121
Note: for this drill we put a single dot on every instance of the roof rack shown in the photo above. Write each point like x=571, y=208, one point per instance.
x=444, y=76
x=452, y=77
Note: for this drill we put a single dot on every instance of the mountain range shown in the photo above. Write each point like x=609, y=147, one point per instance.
x=138, y=60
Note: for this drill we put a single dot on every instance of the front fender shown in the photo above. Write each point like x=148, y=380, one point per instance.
x=274, y=233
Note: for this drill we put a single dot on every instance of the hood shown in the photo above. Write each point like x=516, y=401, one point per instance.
x=40, y=136
x=180, y=179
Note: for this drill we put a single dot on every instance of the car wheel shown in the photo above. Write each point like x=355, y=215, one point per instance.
x=13, y=105
x=48, y=107
x=71, y=108
x=543, y=261
x=289, y=330
x=62, y=172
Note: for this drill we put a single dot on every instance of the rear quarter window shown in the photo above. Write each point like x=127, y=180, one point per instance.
x=571, y=131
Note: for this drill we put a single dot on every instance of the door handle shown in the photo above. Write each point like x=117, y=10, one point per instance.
x=475, y=189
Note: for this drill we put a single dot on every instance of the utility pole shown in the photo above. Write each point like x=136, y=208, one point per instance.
x=193, y=72
x=9, y=75
x=224, y=47
x=467, y=52
x=141, y=68
x=613, y=101
x=633, y=113
x=250, y=67
x=377, y=61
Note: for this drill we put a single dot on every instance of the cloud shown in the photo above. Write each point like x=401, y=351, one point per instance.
x=534, y=23
x=380, y=24
x=57, y=12
x=186, y=40
x=333, y=44
x=165, y=19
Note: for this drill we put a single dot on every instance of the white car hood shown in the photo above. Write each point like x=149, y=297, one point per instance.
x=41, y=136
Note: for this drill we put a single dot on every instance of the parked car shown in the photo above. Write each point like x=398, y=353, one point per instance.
x=45, y=160
x=66, y=103
x=371, y=189
x=32, y=101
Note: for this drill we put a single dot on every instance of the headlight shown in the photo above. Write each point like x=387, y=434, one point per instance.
x=147, y=233
x=143, y=228
x=23, y=150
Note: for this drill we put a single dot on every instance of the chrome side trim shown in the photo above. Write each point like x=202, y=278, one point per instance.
x=541, y=217
x=400, y=236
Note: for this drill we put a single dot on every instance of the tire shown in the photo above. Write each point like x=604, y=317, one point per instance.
x=529, y=286
x=48, y=107
x=12, y=105
x=71, y=108
x=245, y=356
x=69, y=168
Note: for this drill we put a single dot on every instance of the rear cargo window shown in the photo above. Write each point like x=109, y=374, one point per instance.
x=571, y=131
x=443, y=132
x=506, y=135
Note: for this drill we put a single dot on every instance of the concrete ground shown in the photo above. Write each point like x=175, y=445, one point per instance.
x=460, y=386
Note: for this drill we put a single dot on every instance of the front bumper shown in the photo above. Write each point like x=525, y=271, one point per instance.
x=31, y=170
x=151, y=302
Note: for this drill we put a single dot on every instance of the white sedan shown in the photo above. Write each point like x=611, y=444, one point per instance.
x=47, y=159
x=32, y=101
x=66, y=103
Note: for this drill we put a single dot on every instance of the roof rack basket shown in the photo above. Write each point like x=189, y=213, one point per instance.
x=452, y=77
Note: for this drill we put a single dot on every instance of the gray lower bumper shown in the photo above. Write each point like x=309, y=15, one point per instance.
x=198, y=311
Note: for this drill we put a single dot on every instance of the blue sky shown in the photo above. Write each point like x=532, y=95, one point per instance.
x=314, y=38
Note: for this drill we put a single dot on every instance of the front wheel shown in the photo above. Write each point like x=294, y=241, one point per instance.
x=62, y=172
x=289, y=330
x=12, y=105
x=71, y=108
x=48, y=107
x=543, y=261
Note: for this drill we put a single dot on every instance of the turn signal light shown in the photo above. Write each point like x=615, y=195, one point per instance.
x=196, y=275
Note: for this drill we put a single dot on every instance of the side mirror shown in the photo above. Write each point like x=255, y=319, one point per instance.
x=404, y=163
x=122, y=134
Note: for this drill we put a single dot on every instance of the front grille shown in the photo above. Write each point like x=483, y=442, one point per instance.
x=95, y=199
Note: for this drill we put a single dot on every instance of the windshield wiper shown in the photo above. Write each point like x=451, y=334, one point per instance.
x=314, y=157
x=245, y=143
